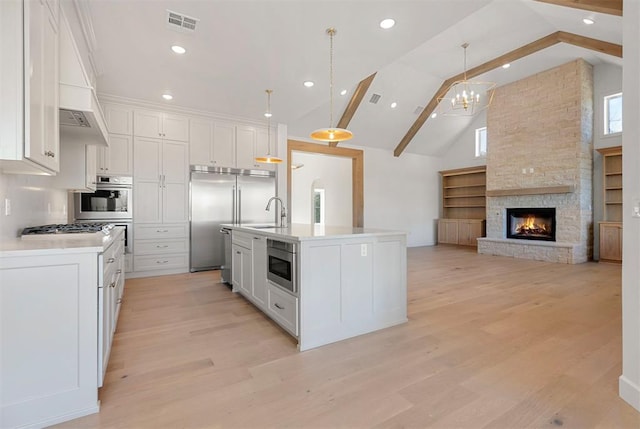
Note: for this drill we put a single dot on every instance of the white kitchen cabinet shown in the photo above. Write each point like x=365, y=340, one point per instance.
x=160, y=249
x=29, y=83
x=117, y=159
x=259, y=272
x=148, y=123
x=283, y=308
x=262, y=147
x=119, y=118
x=250, y=143
x=160, y=181
x=212, y=143
x=241, y=276
x=77, y=168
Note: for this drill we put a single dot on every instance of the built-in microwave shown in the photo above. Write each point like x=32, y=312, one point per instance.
x=112, y=200
x=281, y=264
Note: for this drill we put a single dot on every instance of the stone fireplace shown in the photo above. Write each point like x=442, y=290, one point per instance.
x=535, y=223
x=552, y=112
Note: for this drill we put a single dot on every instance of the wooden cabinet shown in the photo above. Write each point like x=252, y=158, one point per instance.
x=117, y=159
x=611, y=227
x=225, y=144
x=29, y=40
x=160, y=181
x=148, y=123
x=463, y=206
x=611, y=241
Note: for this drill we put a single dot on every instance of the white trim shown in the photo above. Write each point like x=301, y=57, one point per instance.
x=86, y=23
x=629, y=392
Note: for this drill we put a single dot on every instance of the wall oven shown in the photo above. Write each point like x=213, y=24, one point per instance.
x=111, y=200
x=281, y=264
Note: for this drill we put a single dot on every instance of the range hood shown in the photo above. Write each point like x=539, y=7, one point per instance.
x=81, y=118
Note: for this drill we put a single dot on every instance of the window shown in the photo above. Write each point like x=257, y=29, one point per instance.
x=318, y=206
x=481, y=142
x=613, y=114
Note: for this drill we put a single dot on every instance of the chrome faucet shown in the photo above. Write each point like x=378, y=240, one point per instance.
x=283, y=210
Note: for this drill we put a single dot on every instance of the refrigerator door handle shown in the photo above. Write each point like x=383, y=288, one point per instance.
x=233, y=205
x=239, y=205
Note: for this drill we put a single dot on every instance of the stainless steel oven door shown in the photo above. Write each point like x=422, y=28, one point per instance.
x=281, y=269
x=108, y=202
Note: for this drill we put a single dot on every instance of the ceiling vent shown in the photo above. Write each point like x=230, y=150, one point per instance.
x=418, y=110
x=179, y=22
x=375, y=98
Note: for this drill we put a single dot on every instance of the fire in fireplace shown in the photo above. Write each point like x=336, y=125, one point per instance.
x=532, y=224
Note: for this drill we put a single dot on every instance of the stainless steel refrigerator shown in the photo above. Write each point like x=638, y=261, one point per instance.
x=225, y=196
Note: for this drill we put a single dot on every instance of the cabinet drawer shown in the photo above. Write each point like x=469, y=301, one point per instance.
x=242, y=239
x=160, y=262
x=283, y=308
x=157, y=247
x=160, y=231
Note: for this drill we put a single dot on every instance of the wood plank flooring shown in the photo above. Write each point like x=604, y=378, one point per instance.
x=491, y=342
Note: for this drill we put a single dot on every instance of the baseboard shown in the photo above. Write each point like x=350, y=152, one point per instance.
x=629, y=391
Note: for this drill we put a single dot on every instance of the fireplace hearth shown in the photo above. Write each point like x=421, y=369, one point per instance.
x=531, y=223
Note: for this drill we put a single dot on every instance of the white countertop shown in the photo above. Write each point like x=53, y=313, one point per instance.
x=50, y=244
x=300, y=232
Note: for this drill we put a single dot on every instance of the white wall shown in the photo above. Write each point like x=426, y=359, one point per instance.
x=630, y=378
x=335, y=174
x=462, y=153
x=32, y=201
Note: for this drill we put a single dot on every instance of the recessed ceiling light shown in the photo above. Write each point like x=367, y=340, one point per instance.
x=178, y=49
x=267, y=114
x=394, y=105
x=506, y=66
x=433, y=115
x=387, y=23
x=343, y=92
x=308, y=84
x=588, y=21
x=167, y=96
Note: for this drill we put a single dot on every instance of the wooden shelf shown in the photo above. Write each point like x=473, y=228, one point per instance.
x=613, y=202
x=613, y=188
x=614, y=173
x=610, y=243
x=563, y=189
x=479, y=185
x=464, y=206
x=463, y=193
x=465, y=196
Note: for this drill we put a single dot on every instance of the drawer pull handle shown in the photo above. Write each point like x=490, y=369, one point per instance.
x=161, y=247
x=118, y=271
x=278, y=306
x=162, y=262
x=49, y=153
x=111, y=260
x=119, y=301
x=113, y=284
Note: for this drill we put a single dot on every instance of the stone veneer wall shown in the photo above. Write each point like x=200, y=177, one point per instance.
x=540, y=135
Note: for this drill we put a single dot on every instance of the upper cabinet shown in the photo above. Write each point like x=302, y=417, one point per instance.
x=29, y=87
x=148, y=123
x=212, y=143
x=117, y=159
x=119, y=118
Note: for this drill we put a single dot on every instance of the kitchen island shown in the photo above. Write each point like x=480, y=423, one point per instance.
x=348, y=281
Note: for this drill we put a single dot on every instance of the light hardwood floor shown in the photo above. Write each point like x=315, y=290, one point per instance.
x=491, y=342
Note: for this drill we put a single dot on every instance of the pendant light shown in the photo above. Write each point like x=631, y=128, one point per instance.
x=331, y=134
x=268, y=158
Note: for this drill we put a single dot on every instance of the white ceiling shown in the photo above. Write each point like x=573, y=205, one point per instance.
x=241, y=48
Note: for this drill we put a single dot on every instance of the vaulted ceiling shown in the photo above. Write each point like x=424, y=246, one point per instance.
x=241, y=48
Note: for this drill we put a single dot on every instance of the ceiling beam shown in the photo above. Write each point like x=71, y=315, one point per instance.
x=354, y=103
x=521, y=52
x=611, y=7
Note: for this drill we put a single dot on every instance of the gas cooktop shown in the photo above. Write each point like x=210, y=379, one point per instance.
x=69, y=228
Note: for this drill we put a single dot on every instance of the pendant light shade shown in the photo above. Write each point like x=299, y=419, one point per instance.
x=268, y=158
x=331, y=134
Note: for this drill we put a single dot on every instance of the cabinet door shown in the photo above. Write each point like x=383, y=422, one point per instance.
x=201, y=142
x=174, y=182
x=119, y=119
x=91, y=154
x=245, y=145
x=448, y=231
x=41, y=90
x=247, y=272
x=265, y=146
x=224, y=144
x=119, y=155
x=259, y=283
x=147, y=123
x=610, y=242
x=147, y=193
x=102, y=159
x=175, y=127
x=236, y=264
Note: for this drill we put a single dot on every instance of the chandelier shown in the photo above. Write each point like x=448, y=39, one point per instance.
x=466, y=97
x=331, y=134
x=268, y=158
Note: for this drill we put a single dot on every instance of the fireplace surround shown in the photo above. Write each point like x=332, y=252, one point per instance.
x=535, y=223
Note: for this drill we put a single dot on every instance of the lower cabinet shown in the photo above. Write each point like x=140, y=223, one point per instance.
x=241, y=277
x=611, y=241
x=160, y=249
x=283, y=308
x=249, y=258
x=460, y=231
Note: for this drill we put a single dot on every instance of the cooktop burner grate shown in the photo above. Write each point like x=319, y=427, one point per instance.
x=69, y=228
